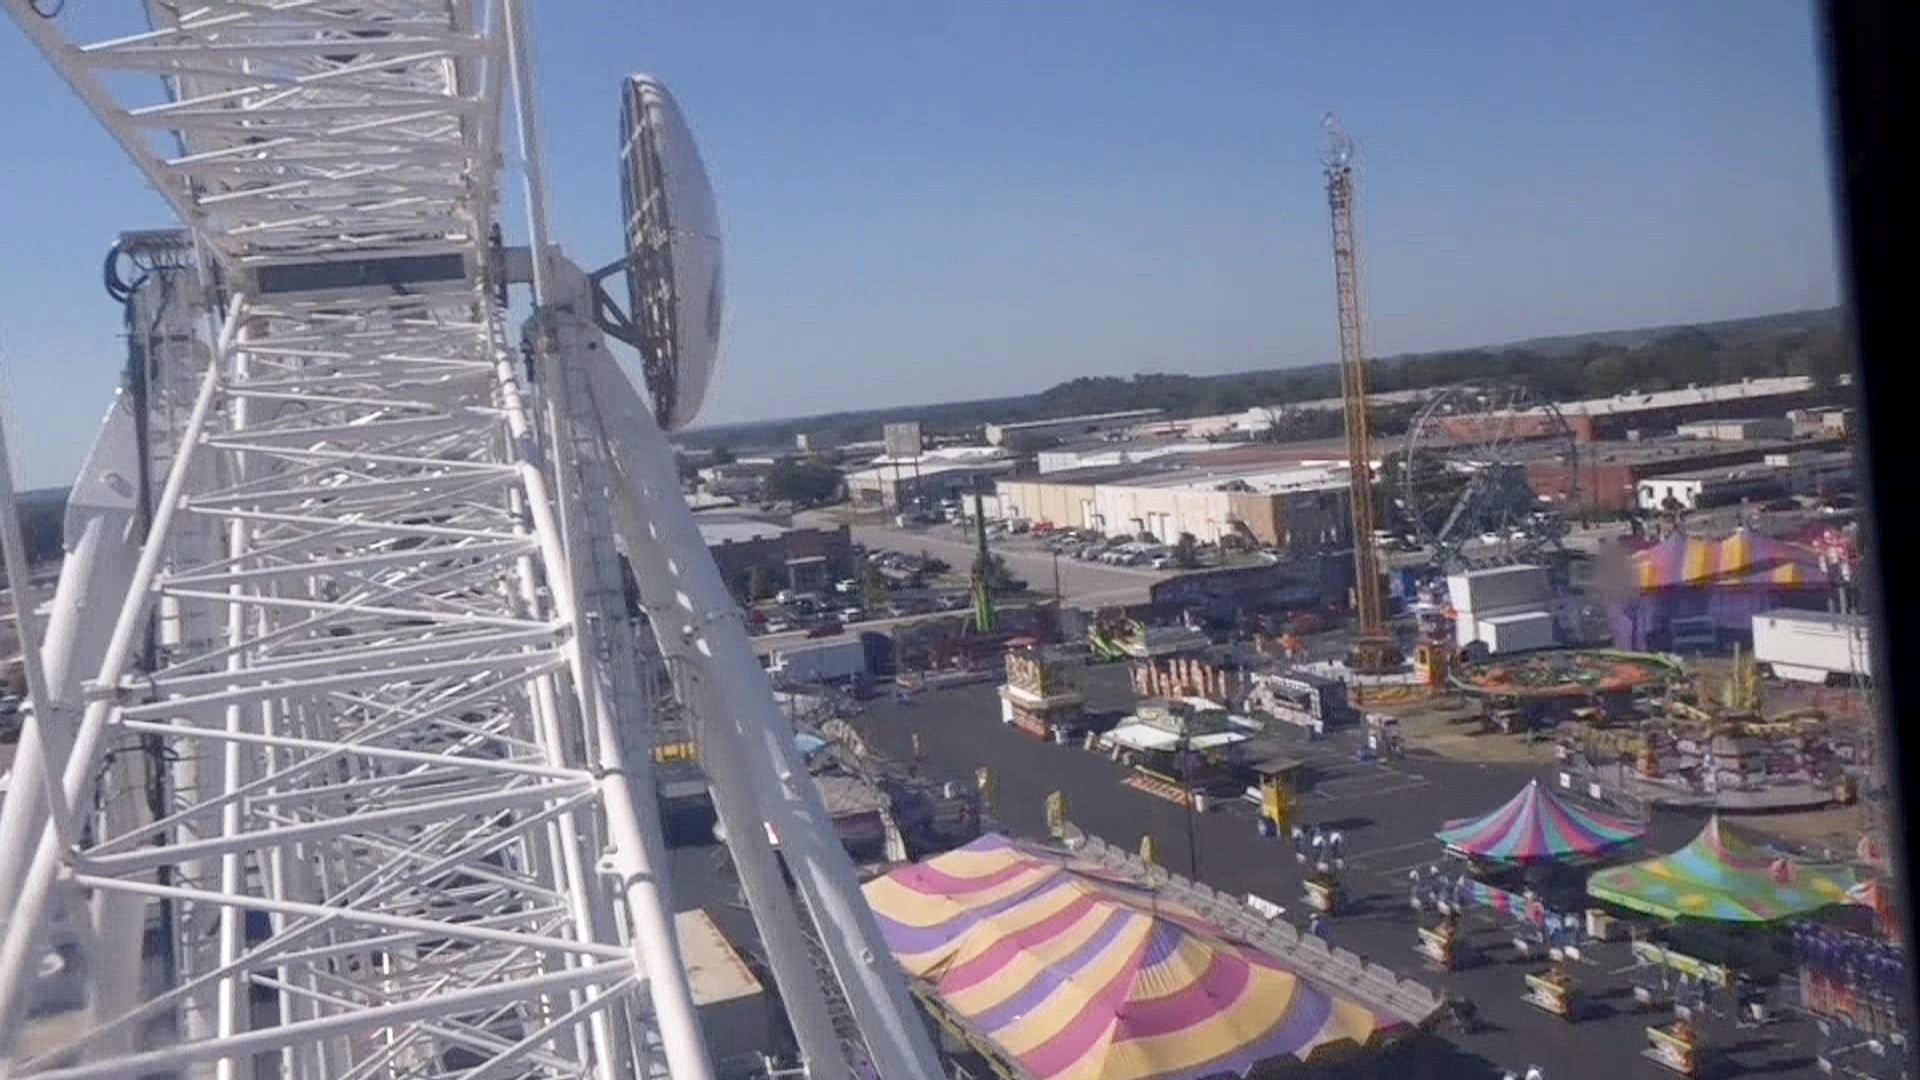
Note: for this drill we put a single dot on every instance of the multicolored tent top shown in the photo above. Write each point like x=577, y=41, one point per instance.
x=1742, y=558
x=1075, y=972
x=1535, y=825
x=1719, y=875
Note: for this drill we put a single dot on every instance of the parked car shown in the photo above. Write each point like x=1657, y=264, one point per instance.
x=778, y=626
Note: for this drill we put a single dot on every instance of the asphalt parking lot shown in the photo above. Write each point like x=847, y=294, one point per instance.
x=1387, y=812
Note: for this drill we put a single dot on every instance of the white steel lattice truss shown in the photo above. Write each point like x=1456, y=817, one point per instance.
x=371, y=687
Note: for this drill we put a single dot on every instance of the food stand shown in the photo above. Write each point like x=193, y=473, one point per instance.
x=1188, y=742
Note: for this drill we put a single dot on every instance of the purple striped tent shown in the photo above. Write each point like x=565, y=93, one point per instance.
x=1078, y=973
x=1536, y=825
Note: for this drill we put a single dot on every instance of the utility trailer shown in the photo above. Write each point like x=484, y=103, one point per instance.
x=1811, y=646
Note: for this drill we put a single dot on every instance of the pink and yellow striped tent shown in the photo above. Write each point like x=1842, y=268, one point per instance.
x=1079, y=974
x=1740, y=558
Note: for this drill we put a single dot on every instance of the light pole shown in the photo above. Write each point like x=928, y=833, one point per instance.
x=1193, y=837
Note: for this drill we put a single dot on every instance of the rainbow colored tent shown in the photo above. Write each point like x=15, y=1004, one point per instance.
x=1728, y=580
x=1075, y=972
x=1719, y=875
x=1536, y=825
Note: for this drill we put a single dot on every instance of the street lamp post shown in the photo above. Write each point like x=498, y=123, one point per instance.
x=1193, y=837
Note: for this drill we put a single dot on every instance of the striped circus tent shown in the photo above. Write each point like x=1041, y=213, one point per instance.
x=1537, y=825
x=1725, y=581
x=1742, y=557
x=1076, y=973
x=1720, y=875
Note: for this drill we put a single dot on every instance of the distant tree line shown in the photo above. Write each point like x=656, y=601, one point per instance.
x=1809, y=343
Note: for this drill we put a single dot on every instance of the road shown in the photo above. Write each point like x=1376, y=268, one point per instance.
x=1388, y=813
x=1084, y=585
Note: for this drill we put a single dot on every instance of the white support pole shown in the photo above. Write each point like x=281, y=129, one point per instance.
x=395, y=1015
x=740, y=813
x=875, y=987
x=656, y=945
x=34, y=886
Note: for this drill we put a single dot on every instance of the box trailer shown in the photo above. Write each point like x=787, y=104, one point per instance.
x=1523, y=632
x=1497, y=588
x=1811, y=646
x=820, y=661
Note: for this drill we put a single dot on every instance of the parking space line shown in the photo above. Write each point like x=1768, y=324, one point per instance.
x=1375, y=781
x=1376, y=793
x=1396, y=871
x=1372, y=852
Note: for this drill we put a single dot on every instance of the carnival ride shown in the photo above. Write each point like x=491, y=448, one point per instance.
x=342, y=719
x=1463, y=474
x=1568, y=673
x=1537, y=825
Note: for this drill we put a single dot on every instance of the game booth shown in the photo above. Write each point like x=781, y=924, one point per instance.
x=1191, y=744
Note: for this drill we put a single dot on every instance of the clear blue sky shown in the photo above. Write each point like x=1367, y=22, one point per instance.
x=925, y=202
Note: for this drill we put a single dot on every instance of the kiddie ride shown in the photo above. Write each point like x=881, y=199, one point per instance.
x=1553, y=991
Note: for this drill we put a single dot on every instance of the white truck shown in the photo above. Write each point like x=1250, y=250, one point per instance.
x=1811, y=646
x=824, y=660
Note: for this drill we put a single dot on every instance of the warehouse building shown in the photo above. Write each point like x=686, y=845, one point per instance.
x=1607, y=477
x=1774, y=476
x=1738, y=429
x=1616, y=417
x=1067, y=427
x=936, y=476
x=1297, y=508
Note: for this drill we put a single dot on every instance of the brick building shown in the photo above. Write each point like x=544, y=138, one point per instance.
x=800, y=558
x=1609, y=474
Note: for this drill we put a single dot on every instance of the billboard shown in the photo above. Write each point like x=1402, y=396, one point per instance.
x=902, y=440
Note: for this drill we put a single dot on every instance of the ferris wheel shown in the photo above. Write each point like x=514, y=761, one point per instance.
x=1462, y=488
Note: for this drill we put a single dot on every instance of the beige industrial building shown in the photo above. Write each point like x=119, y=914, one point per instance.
x=1297, y=508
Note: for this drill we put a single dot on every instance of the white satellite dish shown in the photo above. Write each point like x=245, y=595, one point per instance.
x=674, y=283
